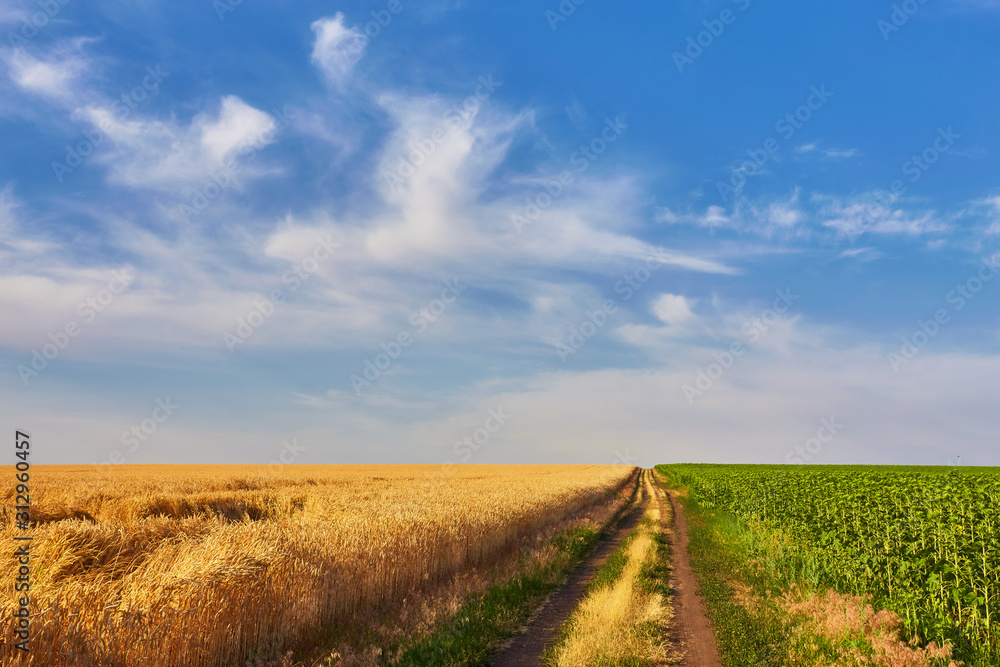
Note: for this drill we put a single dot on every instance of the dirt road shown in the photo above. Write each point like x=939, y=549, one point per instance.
x=691, y=628
x=691, y=632
x=526, y=650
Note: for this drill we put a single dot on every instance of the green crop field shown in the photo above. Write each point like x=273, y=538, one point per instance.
x=923, y=542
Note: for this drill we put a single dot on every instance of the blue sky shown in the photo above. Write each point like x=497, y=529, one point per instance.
x=528, y=232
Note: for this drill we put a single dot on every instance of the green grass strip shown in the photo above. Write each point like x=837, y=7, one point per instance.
x=654, y=577
x=745, y=638
x=474, y=635
x=611, y=570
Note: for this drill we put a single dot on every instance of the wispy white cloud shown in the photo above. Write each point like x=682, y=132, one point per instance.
x=433, y=211
x=792, y=217
x=992, y=207
x=826, y=153
x=673, y=309
x=576, y=113
x=778, y=216
x=195, y=282
x=714, y=216
x=677, y=320
x=8, y=205
x=148, y=152
x=440, y=210
x=237, y=123
x=862, y=254
x=11, y=13
x=337, y=48
x=57, y=76
x=841, y=153
x=851, y=216
x=16, y=248
x=766, y=218
x=138, y=148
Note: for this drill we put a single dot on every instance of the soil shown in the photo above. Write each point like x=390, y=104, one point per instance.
x=691, y=627
x=691, y=632
x=542, y=628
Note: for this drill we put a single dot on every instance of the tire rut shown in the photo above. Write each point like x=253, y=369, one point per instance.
x=692, y=630
x=527, y=649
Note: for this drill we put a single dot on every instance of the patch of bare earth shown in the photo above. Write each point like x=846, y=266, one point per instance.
x=692, y=628
x=849, y=627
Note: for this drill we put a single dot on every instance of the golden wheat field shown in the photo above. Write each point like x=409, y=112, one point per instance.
x=204, y=565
